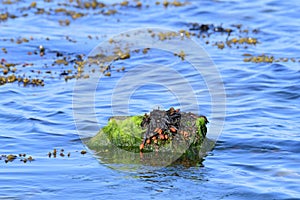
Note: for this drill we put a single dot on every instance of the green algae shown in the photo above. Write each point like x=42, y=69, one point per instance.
x=202, y=129
x=123, y=132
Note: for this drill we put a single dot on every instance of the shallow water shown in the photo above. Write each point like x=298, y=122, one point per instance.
x=255, y=157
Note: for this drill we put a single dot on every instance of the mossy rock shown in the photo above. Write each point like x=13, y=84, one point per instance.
x=127, y=133
x=119, y=141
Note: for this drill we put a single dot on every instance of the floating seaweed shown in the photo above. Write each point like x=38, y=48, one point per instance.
x=24, y=158
x=181, y=55
x=68, y=65
x=266, y=58
x=13, y=157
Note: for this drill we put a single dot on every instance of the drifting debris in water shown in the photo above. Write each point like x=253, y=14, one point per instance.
x=22, y=156
x=245, y=40
x=145, y=50
x=33, y=4
x=30, y=158
x=124, y=56
x=4, y=50
x=260, y=59
x=26, y=81
x=4, y=16
x=239, y=36
x=184, y=33
x=107, y=74
x=181, y=55
x=42, y=50
x=70, y=66
x=12, y=157
x=61, y=61
x=54, y=153
x=138, y=4
x=175, y=3
x=220, y=45
x=166, y=36
x=65, y=22
x=62, y=154
x=266, y=59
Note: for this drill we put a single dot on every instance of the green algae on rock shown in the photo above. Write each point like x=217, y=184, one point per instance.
x=118, y=142
x=126, y=132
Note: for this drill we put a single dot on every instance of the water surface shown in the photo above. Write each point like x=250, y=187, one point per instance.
x=255, y=157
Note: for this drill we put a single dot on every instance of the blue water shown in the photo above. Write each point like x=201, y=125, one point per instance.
x=256, y=156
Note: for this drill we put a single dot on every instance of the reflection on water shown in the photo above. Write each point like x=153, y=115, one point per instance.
x=119, y=159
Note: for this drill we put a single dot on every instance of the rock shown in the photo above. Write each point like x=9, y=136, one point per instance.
x=120, y=139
